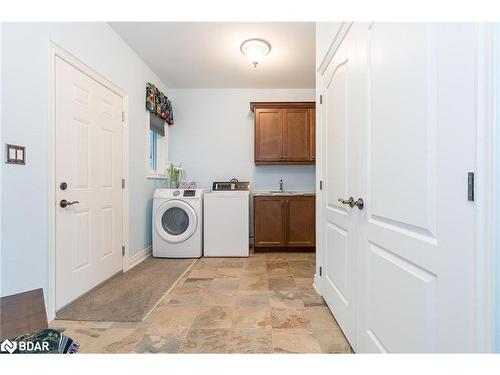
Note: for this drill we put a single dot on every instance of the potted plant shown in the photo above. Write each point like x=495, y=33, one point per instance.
x=174, y=174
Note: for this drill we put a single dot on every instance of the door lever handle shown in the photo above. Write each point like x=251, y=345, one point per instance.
x=64, y=203
x=360, y=203
x=349, y=201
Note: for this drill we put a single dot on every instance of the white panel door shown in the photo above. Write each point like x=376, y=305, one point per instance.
x=89, y=159
x=339, y=165
x=416, y=244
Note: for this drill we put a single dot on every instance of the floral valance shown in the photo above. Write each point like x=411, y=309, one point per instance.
x=158, y=104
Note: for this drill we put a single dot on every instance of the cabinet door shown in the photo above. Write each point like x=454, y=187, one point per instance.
x=300, y=222
x=268, y=135
x=296, y=135
x=312, y=153
x=269, y=222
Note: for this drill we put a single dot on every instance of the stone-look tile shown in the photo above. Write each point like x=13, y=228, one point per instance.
x=125, y=344
x=158, y=344
x=251, y=317
x=304, y=282
x=311, y=298
x=172, y=320
x=111, y=340
x=227, y=305
x=280, y=272
x=276, y=264
x=298, y=264
x=282, y=283
x=205, y=341
x=294, y=341
x=321, y=317
x=289, y=318
x=229, y=272
x=286, y=299
x=331, y=342
x=224, y=284
x=252, y=299
x=232, y=263
x=249, y=341
x=253, y=283
x=202, y=273
x=207, y=263
x=213, y=317
x=219, y=298
x=303, y=272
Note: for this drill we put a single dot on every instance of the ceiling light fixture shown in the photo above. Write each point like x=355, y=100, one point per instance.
x=255, y=50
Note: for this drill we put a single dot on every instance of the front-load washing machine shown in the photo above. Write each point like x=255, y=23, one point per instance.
x=177, y=223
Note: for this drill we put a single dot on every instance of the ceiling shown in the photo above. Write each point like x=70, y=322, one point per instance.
x=207, y=54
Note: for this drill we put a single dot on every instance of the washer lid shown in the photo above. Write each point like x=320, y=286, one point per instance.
x=175, y=221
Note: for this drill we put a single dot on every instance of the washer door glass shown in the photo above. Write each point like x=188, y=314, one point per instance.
x=175, y=221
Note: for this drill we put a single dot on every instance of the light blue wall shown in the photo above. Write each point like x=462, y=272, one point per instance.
x=24, y=117
x=213, y=138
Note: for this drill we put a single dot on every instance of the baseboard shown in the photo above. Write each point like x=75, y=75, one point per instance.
x=139, y=257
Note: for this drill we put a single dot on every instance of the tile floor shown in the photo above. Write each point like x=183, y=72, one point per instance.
x=263, y=304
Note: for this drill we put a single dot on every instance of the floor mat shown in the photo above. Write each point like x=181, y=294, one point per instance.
x=130, y=296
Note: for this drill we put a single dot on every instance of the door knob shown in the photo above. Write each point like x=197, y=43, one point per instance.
x=360, y=203
x=349, y=201
x=64, y=203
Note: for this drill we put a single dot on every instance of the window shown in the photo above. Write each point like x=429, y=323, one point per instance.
x=157, y=146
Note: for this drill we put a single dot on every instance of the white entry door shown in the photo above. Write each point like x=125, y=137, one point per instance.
x=89, y=165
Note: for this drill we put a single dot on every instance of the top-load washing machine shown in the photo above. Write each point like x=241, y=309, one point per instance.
x=226, y=219
x=177, y=223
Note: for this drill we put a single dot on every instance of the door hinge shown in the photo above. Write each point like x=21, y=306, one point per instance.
x=123, y=116
x=123, y=251
x=320, y=184
x=321, y=99
x=320, y=271
x=123, y=183
x=470, y=186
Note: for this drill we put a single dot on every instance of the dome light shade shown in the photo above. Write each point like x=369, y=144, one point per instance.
x=255, y=50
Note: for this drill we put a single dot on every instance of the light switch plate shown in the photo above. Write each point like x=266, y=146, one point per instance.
x=15, y=154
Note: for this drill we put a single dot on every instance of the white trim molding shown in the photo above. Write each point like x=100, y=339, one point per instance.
x=334, y=46
x=55, y=50
x=141, y=256
x=487, y=71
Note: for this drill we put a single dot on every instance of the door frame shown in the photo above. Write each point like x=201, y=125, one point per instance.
x=487, y=173
x=57, y=51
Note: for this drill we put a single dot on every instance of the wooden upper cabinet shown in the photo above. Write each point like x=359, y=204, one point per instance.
x=312, y=113
x=297, y=135
x=268, y=135
x=284, y=132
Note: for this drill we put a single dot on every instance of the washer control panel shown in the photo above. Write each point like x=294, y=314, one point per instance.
x=189, y=193
x=231, y=186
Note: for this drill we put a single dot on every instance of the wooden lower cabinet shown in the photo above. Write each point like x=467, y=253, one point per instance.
x=284, y=221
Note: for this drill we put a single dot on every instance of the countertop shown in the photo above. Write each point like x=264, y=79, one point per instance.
x=283, y=193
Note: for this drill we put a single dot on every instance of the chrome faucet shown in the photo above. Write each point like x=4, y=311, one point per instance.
x=281, y=185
